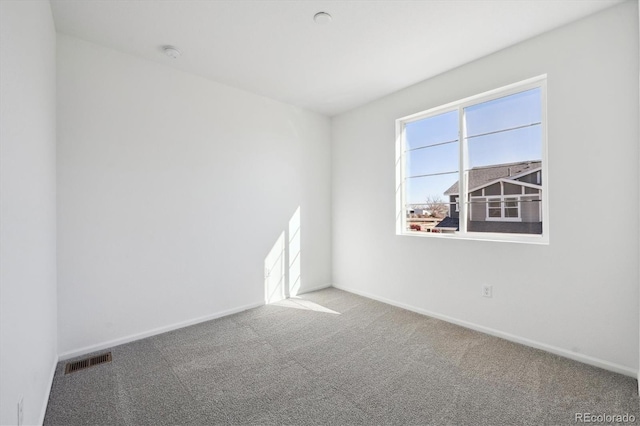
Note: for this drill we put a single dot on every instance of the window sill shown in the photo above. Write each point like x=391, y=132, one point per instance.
x=485, y=236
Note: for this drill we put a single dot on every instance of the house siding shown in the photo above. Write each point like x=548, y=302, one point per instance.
x=493, y=189
x=510, y=189
x=531, y=178
x=478, y=211
x=530, y=211
x=506, y=227
x=452, y=207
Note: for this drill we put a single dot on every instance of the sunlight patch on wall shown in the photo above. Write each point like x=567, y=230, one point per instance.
x=294, y=253
x=282, y=268
x=274, y=272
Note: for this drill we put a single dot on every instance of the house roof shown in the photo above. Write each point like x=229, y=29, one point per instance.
x=479, y=176
x=449, y=223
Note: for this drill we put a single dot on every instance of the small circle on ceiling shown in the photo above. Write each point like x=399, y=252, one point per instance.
x=322, y=18
x=171, y=52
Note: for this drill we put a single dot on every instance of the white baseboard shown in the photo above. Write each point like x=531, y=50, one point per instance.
x=586, y=359
x=46, y=398
x=155, y=331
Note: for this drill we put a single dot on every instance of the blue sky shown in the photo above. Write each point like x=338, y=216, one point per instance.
x=438, y=156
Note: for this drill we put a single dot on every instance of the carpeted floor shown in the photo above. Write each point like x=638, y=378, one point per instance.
x=331, y=357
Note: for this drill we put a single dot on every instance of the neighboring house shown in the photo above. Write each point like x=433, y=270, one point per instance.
x=447, y=225
x=418, y=212
x=503, y=198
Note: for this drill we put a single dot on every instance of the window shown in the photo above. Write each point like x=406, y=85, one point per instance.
x=476, y=168
x=503, y=208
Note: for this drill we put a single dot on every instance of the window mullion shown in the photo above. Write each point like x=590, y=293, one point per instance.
x=462, y=186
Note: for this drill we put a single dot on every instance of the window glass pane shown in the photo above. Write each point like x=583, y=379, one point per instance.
x=428, y=205
x=433, y=159
x=510, y=212
x=502, y=151
x=509, y=203
x=495, y=209
x=519, y=109
x=506, y=147
x=511, y=207
x=505, y=161
x=421, y=189
x=433, y=130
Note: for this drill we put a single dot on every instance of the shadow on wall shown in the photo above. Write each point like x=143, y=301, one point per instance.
x=282, y=264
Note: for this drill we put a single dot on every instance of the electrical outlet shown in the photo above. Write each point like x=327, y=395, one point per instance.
x=21, y=411
x=487, y=291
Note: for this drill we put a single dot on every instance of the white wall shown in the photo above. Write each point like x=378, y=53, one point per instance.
x=172, y=191
x=577, y=296
x=28, y=335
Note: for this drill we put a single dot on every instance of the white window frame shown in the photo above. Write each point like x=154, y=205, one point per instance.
x=464, y=206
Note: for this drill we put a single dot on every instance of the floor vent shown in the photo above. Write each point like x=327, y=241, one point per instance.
x=87, y=362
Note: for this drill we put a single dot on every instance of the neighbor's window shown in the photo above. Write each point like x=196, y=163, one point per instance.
x=476, y=168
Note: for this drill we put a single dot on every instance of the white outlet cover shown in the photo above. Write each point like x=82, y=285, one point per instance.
x=487, y=291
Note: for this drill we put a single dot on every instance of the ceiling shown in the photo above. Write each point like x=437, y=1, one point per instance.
x=275, y=49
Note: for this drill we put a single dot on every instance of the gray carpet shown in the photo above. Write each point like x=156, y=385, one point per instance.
x=368, y=363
